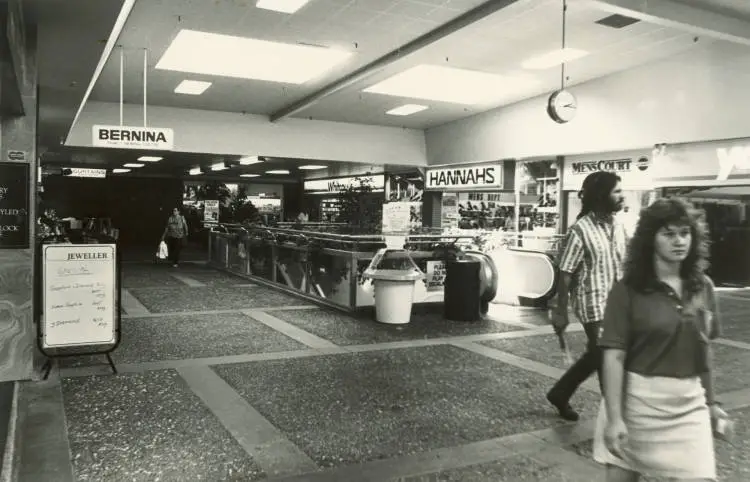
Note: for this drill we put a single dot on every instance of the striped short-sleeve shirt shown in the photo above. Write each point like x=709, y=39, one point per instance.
x=594, y=255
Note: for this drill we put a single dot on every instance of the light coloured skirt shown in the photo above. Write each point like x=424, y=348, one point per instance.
x=669, y=429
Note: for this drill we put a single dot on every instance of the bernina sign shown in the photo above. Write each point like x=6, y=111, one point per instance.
x=125, y=137
x=485, y=175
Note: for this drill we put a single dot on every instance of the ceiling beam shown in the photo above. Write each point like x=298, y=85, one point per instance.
x=669, y=13
x=464, y=20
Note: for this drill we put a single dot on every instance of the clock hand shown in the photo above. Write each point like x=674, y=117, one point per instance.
x=568, y=105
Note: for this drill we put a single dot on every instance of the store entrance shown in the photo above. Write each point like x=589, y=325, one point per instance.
x=727, y=211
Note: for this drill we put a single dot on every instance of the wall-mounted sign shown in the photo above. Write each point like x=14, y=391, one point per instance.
x=483, y=175
x=703, y=163
x=17, y=156
x=632, y=167
x=14, y=205
x=84, y=172
x=125, y=137
x=731, y=159
x=331, y=186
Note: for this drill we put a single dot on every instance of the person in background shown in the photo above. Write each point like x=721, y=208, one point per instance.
x=175, y=234
x=590, y=264
x=659, y=402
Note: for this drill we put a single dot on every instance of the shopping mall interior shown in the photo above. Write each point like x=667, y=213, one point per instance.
x=375, y=194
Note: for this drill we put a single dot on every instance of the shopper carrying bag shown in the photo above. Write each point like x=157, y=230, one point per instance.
x=175, y=235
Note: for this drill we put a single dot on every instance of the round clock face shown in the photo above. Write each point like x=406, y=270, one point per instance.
x=562, y=106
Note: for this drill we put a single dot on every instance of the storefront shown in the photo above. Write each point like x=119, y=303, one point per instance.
x=322, y=196
x=635, y=169
x=715, y=177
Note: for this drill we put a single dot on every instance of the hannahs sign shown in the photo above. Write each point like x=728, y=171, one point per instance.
x=125, y=137
x=485, y=175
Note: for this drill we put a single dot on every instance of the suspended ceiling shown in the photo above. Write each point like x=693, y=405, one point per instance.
x=72, y=36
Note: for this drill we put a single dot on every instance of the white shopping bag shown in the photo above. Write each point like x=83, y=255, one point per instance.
x=162, y=253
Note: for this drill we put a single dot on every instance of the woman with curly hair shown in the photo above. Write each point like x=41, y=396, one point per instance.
x=658, y=408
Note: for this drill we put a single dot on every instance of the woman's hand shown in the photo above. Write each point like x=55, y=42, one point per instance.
x=616, y=437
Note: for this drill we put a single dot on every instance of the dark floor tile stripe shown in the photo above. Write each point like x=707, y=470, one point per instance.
x=45, y=449
x=218, y=312
x=266, y=444
x=187, y=280
x=131, y=305
x=288, y=329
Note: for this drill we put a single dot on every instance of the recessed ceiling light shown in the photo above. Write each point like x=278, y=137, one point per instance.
x=283, y=6
x=407, y=109
x=311, y=167
x=249, y=175
x=132, y=164
x=120, y=171
x=245, y=58
x=553, y=59
x=448, y=84
x=278, y=171
x=219, y=166
x=192, y=87
x=248, y=160
x=195, y=171
x=150, y=158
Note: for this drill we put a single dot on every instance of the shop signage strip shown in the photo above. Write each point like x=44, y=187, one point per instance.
x=14, y=205
x=329, y=186
x=479, y=176
x=85, y=172
x=128, y=137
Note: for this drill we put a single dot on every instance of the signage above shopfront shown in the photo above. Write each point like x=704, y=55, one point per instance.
x=632, y=167
x=706, y=163
x=332, y=186
x=84, y=172
x=731, y=159
x=124, y=137
x=479, y=176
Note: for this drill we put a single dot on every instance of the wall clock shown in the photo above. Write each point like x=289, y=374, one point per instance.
x=562, y=106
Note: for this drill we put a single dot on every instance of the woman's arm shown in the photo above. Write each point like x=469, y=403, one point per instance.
x=707, y=378
x=614, y=376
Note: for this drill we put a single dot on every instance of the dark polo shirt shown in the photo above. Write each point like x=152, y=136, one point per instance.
x=661, y=334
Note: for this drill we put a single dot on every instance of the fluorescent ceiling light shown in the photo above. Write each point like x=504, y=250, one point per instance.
x=407, y=109
x=248, y=160
x=133, y=165
x=283, y=6
x=219, y=166
x=120, y=171
x=244, y=58
x=448, y=84
x=249, y=175
x=553, y=59
x=150, y=158
x=278, y=171
x=192, y=87
x=311, y=167
x=195, y=171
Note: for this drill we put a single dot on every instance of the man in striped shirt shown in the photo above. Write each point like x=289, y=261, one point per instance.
x=590, y=264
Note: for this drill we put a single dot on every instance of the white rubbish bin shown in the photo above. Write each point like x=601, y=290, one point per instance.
x=394, y=294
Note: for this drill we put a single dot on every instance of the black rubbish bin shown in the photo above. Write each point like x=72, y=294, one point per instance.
x=462, y=286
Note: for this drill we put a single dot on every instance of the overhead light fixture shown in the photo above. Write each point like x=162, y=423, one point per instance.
x=249, y=160
x=278, y=171
x=553, y=59
x=407, y=109
x=219, y=166
x=311, y=167
x=249, y=175
x=150, y=158
x=192, y=87
x=132, y=164
x=283, y=6
x=195, y=171
x=245, y=58
x=120, y=171
x=448, y=84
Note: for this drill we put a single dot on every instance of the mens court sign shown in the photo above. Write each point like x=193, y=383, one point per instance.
x=125, y=137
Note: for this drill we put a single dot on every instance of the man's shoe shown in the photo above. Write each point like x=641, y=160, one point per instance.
x=564, y=409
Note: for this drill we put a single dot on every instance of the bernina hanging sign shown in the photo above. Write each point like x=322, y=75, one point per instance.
x=125, y=137
x=481, y=175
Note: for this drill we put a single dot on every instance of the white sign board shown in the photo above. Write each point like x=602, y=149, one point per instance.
x=125, y=137
x=211, y=211
x=396, y=218
x=328, y=186
x=84, y=172
x=481, y=175
x=435, y=275
x=80, y=294
x=634, y=168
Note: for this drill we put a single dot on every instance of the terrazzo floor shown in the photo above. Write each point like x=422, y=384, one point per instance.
x=211, y=391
